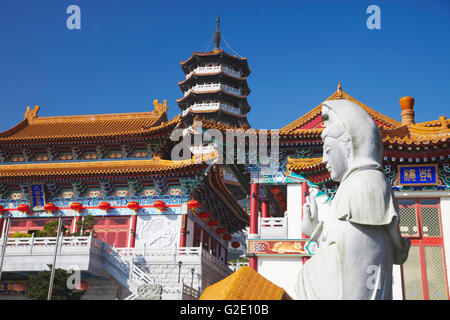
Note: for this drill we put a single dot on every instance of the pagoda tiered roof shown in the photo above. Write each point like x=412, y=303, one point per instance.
x=195, y=77
x=34, y=128
x=217, y=55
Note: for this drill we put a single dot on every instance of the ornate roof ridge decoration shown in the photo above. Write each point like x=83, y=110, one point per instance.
x=442, y=122
x=339, y=94
x=31, y=114
x=419, y=133
x=155, y=166
x=34, y=128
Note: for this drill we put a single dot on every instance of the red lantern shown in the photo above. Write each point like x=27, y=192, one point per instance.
x=81, y=286
x=104, y=206
x=2, y=209
x=235, y=244
x=76, y=206
x=49, y=207
x=192, y=204
x=227, y=237
x=213, y=223
x=204, y=215
x=279, y=197
x=18, y=287
x=160, y=205
x=275, y=190
x=23, y=207
x=221, y=230
x=133, y=205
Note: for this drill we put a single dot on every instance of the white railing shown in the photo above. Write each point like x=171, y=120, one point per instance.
x=212, y=106
x=49, y=241
x=189, y=251
x=273, y=227
x=215, y=69
x=213, y=260
x=126, y=265
x=237, y=265
x=213, y=87
x=189, y=293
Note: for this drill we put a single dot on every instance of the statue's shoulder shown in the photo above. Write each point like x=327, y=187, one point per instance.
x=365, y=198
x=364, y=181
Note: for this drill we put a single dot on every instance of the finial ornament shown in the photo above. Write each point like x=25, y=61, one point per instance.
x=340, y=94
x=217, y=36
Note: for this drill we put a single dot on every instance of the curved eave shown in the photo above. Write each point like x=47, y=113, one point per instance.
x=152, y=167
x=196, y=112
x=242, y=62
x=381, y=119
x=189, y=82
x=227, y=198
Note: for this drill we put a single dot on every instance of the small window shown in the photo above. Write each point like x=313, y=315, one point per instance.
x=406, y=202
x=429, y=201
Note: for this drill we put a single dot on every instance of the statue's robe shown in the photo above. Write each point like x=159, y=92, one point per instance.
x=358, y=245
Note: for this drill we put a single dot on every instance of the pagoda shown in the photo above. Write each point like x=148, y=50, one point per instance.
x=215, y=87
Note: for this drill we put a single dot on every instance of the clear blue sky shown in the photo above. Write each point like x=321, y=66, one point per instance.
x=127, y=53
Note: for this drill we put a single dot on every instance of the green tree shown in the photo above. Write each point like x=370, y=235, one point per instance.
x=85, y=226
x=50, y=229
x=37, y=286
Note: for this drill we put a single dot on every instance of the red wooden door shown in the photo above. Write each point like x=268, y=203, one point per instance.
x=424, y=275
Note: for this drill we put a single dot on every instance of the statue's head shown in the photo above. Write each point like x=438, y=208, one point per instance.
x=351, y=138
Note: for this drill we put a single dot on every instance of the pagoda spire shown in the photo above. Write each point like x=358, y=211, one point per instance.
x=217, y=36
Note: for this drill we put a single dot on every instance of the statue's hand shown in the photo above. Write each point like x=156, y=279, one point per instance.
x=310, y=216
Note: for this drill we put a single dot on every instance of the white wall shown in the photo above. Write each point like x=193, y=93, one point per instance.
x=294, y=210
x=158, y=231
x=282, y=271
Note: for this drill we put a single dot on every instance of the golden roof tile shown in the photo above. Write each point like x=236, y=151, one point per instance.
x=34, y=128
x=317, y=111
x=155, y=166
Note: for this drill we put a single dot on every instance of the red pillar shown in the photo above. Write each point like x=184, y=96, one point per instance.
x=183, y=231
x=77, y=218
x=264, y=208
x=254, y=201
x=133, y=230
x=254, y=204
x=305, y=193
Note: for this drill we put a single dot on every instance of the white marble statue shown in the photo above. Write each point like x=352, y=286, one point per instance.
x=359, y=244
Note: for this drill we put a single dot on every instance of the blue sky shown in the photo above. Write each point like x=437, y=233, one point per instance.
x=127, y=53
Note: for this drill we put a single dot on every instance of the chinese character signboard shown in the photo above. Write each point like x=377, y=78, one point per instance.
x=300, y=247
x=418, y=174
x=37, y=197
